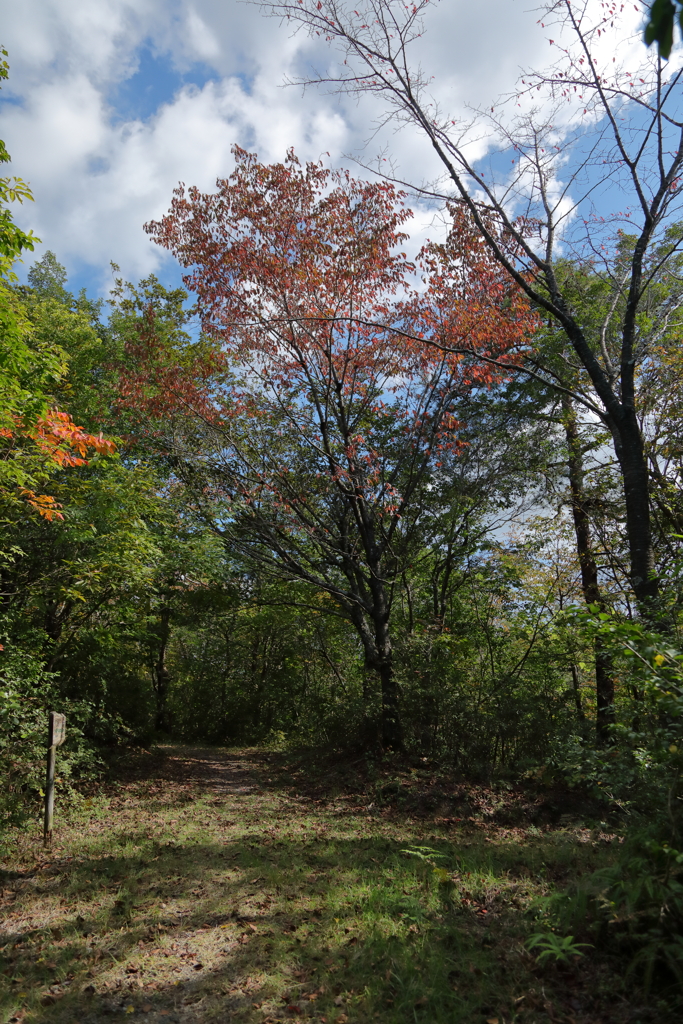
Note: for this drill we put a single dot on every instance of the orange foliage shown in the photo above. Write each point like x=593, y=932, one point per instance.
x=302, y=285
x=63, y=442
x=58, y=441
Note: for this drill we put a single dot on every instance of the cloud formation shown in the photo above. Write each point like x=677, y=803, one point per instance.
x=111, y=102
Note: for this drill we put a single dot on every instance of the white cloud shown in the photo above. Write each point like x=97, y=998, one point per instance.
x=97, y=177
x=202, y=40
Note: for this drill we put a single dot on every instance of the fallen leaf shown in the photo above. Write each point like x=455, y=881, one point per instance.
x=338, y=1000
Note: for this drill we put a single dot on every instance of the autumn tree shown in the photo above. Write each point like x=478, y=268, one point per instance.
x=595, y=143
x=320, y=434
x=35, y=436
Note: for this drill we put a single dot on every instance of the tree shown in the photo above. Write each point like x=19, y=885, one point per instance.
x=628, y=142
x=37, y=437
x=12, y=239
x=319, y=437
x=47, y=278
x=34, y=435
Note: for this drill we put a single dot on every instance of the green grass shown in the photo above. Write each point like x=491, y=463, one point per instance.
x=166, y=900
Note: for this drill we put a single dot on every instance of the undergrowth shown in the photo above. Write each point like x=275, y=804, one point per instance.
x=213, y=886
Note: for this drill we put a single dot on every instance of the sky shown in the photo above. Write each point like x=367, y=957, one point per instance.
x=110, y=103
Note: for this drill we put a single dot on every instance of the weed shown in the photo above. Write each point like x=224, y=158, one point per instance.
x=553, y=947
x=207, y=887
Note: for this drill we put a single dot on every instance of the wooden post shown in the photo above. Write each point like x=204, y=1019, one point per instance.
x=56, y=734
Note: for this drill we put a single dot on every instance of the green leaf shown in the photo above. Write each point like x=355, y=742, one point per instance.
x=660, y=27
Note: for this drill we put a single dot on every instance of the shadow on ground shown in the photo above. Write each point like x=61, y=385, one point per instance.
x=201, y=889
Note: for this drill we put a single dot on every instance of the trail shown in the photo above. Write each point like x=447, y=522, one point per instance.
x=211, y=769
x=205, y=886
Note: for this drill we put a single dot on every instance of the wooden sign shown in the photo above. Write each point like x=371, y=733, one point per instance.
x=57, y=729
x=56, y=734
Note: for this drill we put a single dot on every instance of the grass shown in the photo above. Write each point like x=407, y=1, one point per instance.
x=209, y=886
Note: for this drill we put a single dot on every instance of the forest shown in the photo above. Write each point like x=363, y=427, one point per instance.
x=342, y=501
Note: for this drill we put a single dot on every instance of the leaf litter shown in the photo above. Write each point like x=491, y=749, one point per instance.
x=200, y=885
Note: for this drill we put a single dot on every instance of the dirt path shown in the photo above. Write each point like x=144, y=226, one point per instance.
x=211, y=769
x=205, y=887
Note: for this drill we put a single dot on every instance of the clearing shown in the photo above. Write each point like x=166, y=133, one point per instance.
x=236, y=886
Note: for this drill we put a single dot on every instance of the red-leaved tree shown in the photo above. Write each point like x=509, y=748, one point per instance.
x=317, y=443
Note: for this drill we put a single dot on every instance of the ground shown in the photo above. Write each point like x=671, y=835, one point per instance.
x=198, y=886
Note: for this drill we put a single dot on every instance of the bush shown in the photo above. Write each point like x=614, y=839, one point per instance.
x=27, y=694
x=636, y=905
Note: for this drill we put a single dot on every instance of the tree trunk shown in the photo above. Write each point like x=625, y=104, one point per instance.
x=383, y=663
x=577, y=694
x=392, y=730
x=633, y=463
x=372, y=624
x=604, y=669
x=161, y=674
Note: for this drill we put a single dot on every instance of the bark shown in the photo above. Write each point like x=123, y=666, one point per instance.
x=635, y=472
x=161, y=674
x=392, y=730
x=379, y=659
x=590, y=585
x=577, y=695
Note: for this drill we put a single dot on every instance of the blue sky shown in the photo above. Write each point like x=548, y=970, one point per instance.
x=156, y=81
x=111, y=102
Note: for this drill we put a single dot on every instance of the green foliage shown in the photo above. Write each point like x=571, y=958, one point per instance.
x=636, y=905
x=12, y=239
x=425, y=854
x=145, y=613
x=27, y=694
x=660, y=27
x=28, y=371
x=47, y=278
x=559, y=949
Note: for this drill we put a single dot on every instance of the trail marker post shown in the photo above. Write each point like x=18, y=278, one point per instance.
x=56, y=734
